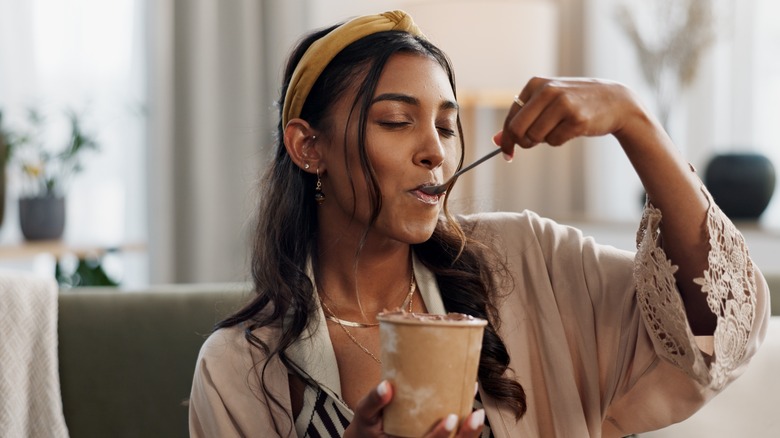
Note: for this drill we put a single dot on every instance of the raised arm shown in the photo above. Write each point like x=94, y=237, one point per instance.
x=558, y=110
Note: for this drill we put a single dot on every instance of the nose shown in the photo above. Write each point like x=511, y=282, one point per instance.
x=430, y=152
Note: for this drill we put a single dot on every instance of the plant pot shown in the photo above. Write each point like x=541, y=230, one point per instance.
x=42, y=218
x=742, y=184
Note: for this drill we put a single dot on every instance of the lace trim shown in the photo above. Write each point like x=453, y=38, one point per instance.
x=731, y=294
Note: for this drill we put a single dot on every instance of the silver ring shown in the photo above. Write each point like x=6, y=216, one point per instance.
x=518, y=101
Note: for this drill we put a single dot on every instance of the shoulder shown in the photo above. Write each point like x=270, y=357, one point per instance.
x=222, y=341
x=517, y=229
x=237, y=390
x=230, y=348
x=232, y=363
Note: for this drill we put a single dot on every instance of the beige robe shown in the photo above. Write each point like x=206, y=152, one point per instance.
x=597, y=337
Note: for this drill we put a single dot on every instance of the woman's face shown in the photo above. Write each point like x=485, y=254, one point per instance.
x=411, y=141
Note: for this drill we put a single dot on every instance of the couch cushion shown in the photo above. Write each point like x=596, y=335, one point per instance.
x=127, y=358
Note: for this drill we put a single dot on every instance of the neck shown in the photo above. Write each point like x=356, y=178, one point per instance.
x=377, y=280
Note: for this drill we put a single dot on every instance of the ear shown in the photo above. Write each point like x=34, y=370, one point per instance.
x=300, y=140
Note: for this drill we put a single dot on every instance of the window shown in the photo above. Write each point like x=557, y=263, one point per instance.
x=766, y=93
x=85, y=55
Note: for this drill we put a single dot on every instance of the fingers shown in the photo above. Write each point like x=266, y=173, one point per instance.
x=470, y=428
x=529, y=125
x=558, y=122
x=520, y=118
x=372, y=404
x=368, y=418
x=558, y=110
x=505, y=139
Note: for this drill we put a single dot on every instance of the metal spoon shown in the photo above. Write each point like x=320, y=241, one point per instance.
x=441, y=188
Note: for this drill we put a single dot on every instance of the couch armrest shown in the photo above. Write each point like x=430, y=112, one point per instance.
x=773, y=281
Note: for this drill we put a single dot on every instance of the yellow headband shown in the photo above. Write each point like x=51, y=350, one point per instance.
x=322, y=51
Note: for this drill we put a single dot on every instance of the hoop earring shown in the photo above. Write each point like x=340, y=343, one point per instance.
x=318, y=195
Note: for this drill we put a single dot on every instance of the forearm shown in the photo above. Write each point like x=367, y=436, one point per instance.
x=673, y=188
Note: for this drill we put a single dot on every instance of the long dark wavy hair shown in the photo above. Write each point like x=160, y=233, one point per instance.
x=287, y=222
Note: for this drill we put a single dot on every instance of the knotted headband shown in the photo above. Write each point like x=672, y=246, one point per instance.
x=322, y=51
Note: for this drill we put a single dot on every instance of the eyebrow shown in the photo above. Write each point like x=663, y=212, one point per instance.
x=411, y=100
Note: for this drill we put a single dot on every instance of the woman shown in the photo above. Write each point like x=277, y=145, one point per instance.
x=583, y=340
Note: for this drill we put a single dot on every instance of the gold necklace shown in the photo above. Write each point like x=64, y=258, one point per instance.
x=332, y=316
x=343, y=323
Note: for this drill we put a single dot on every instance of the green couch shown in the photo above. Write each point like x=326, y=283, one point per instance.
x=774, y=289
x=127, y=358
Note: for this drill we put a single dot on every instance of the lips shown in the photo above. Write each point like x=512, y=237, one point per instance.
x=425, y=197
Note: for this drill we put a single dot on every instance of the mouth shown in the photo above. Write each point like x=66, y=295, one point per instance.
x=426, y=197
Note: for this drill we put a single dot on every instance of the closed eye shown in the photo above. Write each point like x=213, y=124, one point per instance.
x=446, y=132
x=393, y=125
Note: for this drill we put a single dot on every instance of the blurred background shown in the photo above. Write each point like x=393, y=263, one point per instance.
x=178, y=100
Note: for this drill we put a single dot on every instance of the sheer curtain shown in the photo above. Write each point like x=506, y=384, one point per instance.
x=212, y=81
x=732, y=105
x=766, y=107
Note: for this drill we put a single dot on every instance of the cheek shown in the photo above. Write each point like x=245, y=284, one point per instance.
x=450, y=164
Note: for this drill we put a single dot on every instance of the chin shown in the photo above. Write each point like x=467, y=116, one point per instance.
x=420, y=234
x=409, y=228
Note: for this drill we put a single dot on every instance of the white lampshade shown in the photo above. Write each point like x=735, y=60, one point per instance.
x=493, y=44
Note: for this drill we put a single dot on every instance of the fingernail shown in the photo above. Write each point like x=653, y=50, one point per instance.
x=382, y=388
x=508, y=158
x=451, y=422
x=476, y=388
x=477, y=419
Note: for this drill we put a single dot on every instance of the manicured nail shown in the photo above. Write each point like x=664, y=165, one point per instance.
x=477, y=419
x=451, y=422
x=382, y=388
x=507, y=157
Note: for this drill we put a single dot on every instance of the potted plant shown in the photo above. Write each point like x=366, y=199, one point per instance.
x=46, y=173
x=670, y=50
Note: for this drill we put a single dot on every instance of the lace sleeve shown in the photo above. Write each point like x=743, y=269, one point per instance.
x=730, y=286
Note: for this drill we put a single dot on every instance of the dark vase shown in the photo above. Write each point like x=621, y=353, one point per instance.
x=742, y=184
x=42, y=218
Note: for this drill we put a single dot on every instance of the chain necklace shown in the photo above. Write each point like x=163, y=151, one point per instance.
x=332, y=316
x=344, y=323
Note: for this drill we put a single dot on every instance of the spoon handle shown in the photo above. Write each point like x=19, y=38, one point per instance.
x=472, y=165
x=441, y=188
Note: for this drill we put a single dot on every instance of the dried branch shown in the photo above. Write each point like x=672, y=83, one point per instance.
x=669, y=54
